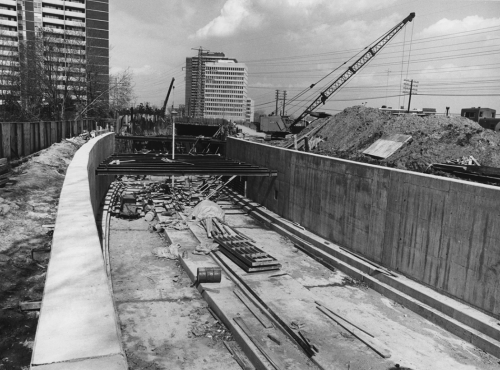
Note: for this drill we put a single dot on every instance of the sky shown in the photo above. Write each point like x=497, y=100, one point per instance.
x=451, y=49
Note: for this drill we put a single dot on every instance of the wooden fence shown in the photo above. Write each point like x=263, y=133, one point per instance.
x=19, y=139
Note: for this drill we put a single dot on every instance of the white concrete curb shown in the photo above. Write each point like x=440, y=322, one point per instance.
x=78, y=326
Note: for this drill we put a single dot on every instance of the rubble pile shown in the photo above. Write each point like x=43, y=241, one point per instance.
x=435, y=139
x=171, y=207
x=158, y=203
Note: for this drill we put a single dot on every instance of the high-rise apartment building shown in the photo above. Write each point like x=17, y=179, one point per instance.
x=216, y=87
x=74, y=32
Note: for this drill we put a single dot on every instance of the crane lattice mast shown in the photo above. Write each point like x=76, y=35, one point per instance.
x=351, y=71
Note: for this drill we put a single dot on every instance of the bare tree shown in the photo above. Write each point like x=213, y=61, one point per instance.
x=10, y=76
x=52, y=76
x=121, y=91
x=58, y=59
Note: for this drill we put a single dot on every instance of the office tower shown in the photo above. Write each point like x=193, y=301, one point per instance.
x=225, y=93
x=216, y=87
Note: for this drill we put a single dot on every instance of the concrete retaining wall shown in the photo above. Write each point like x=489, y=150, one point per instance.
x=441, y=232
x=78, y=328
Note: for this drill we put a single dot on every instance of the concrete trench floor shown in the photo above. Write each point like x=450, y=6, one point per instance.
x=158, y=309
x=165, y=322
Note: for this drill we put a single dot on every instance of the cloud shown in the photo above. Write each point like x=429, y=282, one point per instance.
x=234, y=14
x=282, y=15
x=447, y=26
x=144, y=70
x=352, y=33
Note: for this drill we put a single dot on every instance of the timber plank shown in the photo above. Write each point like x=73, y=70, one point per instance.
x=30, y=306
x=6, y=150
x=376, y=345
x=36, y=136
x=53, y=133
x=385, y=147
x=41, y=128
x=253, y=309
x=63, y=129
x=27, y=139
x=277, y=364
x=238, y=355
x=19, y=141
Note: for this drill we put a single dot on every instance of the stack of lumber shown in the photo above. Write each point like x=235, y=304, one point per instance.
x=242, y=250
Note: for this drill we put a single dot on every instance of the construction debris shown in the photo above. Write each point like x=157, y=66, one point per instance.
x=30, y=306
x=171, y=252
x=207, y=209
x=167, y=208
x=206, y=248
x=467, y=160
x=387, y=146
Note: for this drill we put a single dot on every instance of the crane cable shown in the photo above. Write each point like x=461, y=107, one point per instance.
x=354, y=56
x=402, y=68
x=409, y=55
x=321, y=79
x=329, y=74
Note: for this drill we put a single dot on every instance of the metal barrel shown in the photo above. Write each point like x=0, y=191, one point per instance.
x=209, y=275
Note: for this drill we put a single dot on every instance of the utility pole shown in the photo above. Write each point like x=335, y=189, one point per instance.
x=277, y=99
x=410, y=87
x=284, y=98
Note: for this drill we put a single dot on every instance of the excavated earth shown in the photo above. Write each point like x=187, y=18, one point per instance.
x=435, y=139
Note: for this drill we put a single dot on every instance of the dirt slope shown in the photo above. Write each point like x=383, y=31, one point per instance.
x=25, y=205
x=435, y=139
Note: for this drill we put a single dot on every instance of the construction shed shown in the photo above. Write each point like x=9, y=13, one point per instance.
x=476, y=113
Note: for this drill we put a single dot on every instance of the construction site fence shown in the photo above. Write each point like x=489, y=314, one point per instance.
x=20, y=139
x=143, y=125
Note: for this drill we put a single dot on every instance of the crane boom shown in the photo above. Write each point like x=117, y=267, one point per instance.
x=355, y=67
x=164, y=108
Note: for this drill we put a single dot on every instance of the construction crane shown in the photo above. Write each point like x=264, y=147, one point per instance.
x=166, y=99
x=351, y=71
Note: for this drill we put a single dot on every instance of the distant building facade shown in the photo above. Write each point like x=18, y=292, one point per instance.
x=250, y=110
x=216, y=87
x=415, y=111
x=225, y=92
x=475, y=114
x=79, y=29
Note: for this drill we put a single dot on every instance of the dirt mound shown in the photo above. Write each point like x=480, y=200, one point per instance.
x=435, y=139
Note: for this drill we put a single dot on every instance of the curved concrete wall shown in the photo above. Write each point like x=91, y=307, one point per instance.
x=78, y=327
x=441, y=232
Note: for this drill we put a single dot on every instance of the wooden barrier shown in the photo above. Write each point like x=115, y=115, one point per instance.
x=6, y=138
x=20, y=139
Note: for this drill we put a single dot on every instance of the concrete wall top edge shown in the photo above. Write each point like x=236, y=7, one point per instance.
x=458, y=181
x=78, y=319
